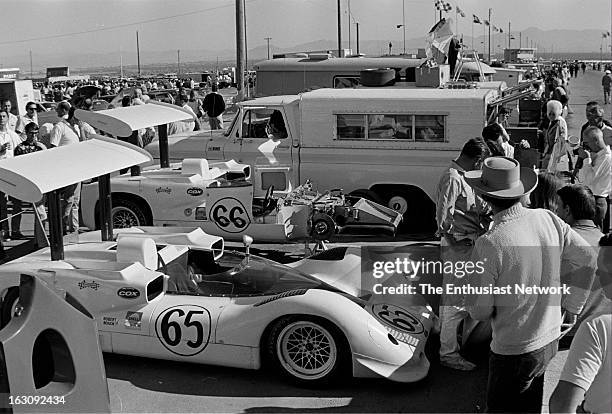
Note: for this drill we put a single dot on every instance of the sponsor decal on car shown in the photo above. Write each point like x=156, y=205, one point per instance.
x=128, y=293
x=92, y=284
x=166, y=190
x=133, y=320
x=398, y=318
x=230, y=215
x=195, y=191
x=184, y=330
x=214, y=149
x=109, y=321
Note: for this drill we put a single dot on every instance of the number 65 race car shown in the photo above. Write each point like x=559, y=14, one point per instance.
x=175, y=293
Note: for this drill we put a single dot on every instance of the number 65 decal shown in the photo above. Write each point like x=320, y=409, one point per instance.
x=184, y=330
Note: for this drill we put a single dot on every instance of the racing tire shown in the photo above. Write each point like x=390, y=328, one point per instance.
x=308, y=351
x=126, y=213
x=9, y=304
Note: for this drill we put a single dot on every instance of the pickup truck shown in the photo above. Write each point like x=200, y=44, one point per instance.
x=389, y=145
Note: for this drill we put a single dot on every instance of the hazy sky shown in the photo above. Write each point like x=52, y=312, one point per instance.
x=210, y=24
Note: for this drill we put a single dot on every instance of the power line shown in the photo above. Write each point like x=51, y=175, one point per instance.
x=119, y=26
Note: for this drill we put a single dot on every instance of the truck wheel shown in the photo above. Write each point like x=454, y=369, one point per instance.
x=308, y=351
x=399, y=202
x=126, y=213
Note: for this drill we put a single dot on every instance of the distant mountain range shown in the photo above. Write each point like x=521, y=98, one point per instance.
x=562, y=42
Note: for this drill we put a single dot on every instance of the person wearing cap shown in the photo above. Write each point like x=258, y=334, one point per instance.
x=28, y=146
x=596, y=172
x=214, y=106
x=524, y=248
x=462, y=217
x=606, y=83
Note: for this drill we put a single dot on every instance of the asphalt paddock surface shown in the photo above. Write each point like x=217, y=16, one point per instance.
x=148, y=385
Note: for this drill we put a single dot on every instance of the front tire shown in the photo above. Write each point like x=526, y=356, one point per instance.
x=307, y=351
x=126, y=213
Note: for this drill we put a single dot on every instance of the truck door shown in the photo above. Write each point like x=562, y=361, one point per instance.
x=264, y=143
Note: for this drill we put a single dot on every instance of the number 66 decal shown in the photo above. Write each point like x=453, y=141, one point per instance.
x=398, y=318
x=230, y=215
x=184, y=330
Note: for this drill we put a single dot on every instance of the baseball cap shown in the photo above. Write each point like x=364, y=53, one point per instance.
x=608, y=72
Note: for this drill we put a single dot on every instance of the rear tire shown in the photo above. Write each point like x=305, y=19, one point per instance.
x=307, y=350
x=126, y=213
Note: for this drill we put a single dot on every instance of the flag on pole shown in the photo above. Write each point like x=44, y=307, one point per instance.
x=501, y=30
x=443, y=6
x=476, y=19
x=495, y=29
x=486, y=22
x=461, y=12
x=438, y=41
x=604, y=34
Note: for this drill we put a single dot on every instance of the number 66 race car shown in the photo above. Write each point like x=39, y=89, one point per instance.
x=219, y=197
x=175, y=293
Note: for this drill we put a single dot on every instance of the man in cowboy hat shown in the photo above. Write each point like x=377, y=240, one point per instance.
x=525, y=248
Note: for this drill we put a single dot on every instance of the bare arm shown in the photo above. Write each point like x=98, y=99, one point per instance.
x=566, y=398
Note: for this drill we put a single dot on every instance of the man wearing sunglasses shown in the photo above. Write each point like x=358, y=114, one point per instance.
x=30, y=116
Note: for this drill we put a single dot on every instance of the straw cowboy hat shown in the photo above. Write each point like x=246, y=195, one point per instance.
x=502, y=177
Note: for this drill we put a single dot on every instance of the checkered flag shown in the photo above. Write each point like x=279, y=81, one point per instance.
x=443, y=6
x=476, y=19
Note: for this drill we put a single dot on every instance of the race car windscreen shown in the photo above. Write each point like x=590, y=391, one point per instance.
x=196, y=273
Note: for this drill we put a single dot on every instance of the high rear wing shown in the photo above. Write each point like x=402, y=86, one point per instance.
x=28, y=177
x=122, y=121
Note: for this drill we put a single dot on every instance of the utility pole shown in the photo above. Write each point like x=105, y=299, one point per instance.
x=178, y=62
x=357, y=30
x=509, y=36
x=120, y=63
x=520, y=40
x=240, y=55
x=490, y=24
x=404, y=22
x=339, y=30
x=267, y=39
x=349, y=23
x=31, y=69
x=138, y=52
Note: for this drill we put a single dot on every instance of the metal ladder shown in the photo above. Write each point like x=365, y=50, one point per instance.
x=459, y=67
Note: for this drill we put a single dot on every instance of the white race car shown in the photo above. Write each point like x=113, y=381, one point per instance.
x=219, y=197
x=174, y=293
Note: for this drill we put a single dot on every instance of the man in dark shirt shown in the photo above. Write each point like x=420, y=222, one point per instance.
x=30, y=145
x=214, y=105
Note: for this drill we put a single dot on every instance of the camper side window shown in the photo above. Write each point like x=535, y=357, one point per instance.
x=389, y=127
x=346, y=82
x=429, y=128
x=350, y=126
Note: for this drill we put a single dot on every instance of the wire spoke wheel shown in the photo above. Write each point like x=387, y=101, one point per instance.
x=124, y=218
x=306, y=350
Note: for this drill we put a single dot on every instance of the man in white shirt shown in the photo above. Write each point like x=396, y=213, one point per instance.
x=63, y=133
x=8, y=142
x=586, y=379
x=596, y=171
x=7, y=105
x=30, y=116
